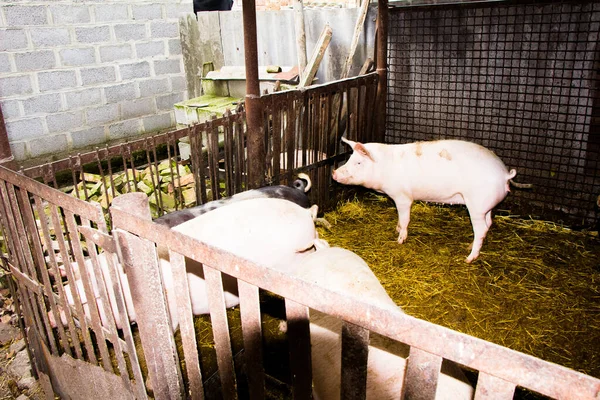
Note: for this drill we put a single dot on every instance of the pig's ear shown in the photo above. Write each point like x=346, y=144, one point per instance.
x=348, y=142
x=359, y=147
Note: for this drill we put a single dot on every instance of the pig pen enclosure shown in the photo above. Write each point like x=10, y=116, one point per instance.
x=57, y=216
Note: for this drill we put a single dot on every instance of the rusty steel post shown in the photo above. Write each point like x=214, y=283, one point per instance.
x=6, y=157
x=380, y=101
x=255, y=136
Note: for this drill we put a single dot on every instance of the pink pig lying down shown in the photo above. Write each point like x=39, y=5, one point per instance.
x=442, y=171
x=345, y=272
x=267, y=231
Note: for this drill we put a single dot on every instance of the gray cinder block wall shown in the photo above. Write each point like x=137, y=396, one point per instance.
x=74, y=74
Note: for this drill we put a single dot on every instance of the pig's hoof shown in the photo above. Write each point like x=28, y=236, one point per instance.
x=470, y=259
x=323, y=222
x=401, y=239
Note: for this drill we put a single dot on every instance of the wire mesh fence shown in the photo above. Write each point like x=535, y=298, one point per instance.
x=521, y=78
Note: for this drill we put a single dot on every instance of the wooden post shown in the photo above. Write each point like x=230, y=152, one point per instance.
x=315, y=60
x=300, y=35
x=381, y=61
x=360, y=22
x=6, y=157
x=255, y=135
x=192, y=63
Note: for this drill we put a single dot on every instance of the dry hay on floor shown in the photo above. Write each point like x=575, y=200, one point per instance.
x=535, y=287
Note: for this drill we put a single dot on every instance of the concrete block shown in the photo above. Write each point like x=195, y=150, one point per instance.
x=151, y=87
x=24, y=129
x=116, y=93
x=92, y=76
x=201, y=108
x=19, y=15
x=176, y=10
x=125, y=129
x=162, y=67
x=48, y=145
x=19, y=150
x=70, y=14
x=116, y=52
x=42, y=104
x=111, y=12
x=178, y=83
x=83, y=98
x=54, y=80
x=11, y=109
x=15, y=85
x=12, y=39
x=174, y=47
x=102, y=114
x=167, y=101
x=161, y=29
x=158, y=122
x=78, y=56
x=135, y=70
x=150, y=49
x=50, y=37
x=147, y=11
x=137, y=108
x=35, y=60
x=94, y=34
x=88, y=137
x=127, y=32
x=66, y=121
x=5, y=64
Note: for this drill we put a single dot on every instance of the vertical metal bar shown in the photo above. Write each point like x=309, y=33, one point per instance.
x=298, y=331
x=252, y=332
x=228, y=153
x=256, y=151
x=277, y=133
x=422, y=375
x=382, y=39
x=213, y=158
x=218, y=317
x=355, y=351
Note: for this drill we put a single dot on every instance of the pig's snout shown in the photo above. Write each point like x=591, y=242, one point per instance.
x=335, y=177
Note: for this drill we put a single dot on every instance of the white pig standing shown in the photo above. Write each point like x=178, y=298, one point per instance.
x=270, y=232
x=442, y=171
x=343, y=271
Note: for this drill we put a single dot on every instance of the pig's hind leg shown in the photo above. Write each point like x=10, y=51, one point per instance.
x=481, y=222
x=403, y=206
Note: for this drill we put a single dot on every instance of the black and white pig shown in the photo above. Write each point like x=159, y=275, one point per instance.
x=442, y=171
x=295, y=193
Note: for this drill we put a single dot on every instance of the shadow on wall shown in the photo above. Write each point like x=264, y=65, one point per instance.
x=212, y=5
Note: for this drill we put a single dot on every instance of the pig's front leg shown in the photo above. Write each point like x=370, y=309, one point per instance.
x=403, y=206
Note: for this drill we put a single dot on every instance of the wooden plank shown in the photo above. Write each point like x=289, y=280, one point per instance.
x=422, y=374
x=220, y=326
x=298, y=331
x=186, y=323
x=358, y=28
x=252, y=332
x=315, y=60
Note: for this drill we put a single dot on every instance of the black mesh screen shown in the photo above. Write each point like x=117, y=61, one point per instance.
x=520, y=78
